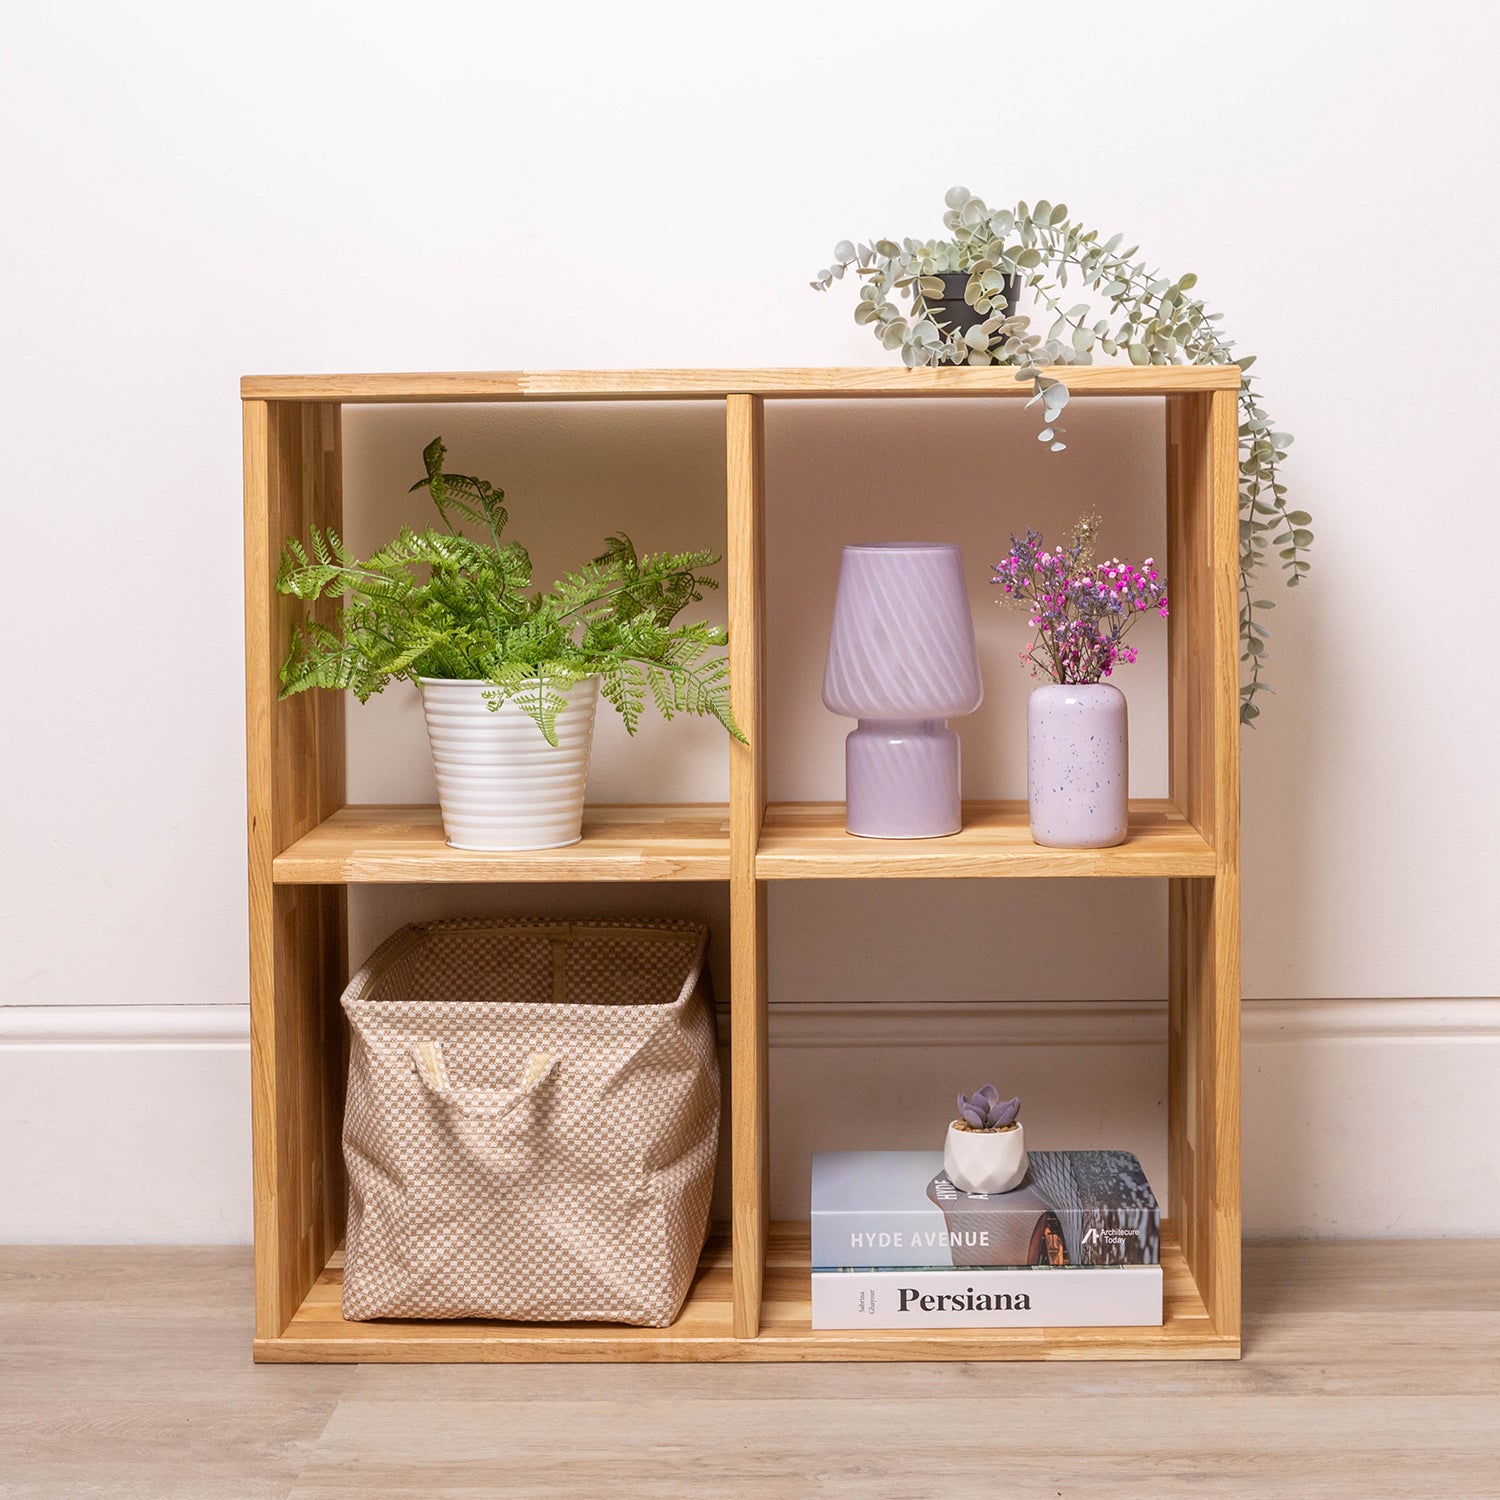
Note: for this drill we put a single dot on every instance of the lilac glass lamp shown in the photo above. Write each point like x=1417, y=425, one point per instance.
x=901, y=660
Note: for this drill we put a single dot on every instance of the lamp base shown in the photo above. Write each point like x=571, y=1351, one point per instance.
x=901, y=779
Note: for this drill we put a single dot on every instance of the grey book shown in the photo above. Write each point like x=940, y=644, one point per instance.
x=875, y=1209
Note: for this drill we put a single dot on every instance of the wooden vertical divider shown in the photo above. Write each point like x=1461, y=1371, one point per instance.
x=749, y=1059
x=295, y=778
x=1203, y=1128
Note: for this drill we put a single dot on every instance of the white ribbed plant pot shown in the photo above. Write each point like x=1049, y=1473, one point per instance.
x=985, y=1161
x=500, y=784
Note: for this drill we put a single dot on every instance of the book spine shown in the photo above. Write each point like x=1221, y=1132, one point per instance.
x=1111, y=1297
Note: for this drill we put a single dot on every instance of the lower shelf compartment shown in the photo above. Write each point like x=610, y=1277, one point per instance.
x=703, y=1333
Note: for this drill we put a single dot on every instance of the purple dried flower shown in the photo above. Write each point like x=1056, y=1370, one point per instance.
x=984, y=1109
x=1080, y=608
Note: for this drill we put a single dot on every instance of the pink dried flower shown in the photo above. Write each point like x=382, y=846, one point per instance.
x=1083, y=612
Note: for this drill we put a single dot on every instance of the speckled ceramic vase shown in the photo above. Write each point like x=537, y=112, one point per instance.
x=1077, y=766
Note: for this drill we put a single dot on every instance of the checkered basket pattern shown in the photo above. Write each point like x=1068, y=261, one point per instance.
x=531, y=1122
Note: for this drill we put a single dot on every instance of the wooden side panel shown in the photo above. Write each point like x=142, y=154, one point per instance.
x=749, y=1052
x=1189, y=626
x=295, y=778
x=1204, y=932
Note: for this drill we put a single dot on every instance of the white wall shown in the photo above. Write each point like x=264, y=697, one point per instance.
x=192, y=193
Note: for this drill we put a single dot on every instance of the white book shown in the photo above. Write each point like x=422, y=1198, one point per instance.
x=1022, y=1297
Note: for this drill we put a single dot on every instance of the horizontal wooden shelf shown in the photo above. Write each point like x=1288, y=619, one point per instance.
x=807, y=841
x=712, y=385
x=703, y=1331
x=374, y=844
x=319, y=1333
x=404, y=845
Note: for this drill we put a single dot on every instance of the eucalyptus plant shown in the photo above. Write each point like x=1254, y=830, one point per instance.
x=1131, y=310
x=436, y=602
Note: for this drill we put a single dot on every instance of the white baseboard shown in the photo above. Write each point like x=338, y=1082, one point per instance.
x=125, y=1124
x=130, y=1124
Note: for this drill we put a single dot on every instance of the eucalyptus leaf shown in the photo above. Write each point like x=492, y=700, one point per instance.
x=1153, y=321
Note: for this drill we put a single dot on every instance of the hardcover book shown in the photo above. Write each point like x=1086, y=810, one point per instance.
x=873, y=1209
x=1024, y=1297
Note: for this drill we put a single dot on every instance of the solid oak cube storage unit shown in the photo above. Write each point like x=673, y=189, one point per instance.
x=751, y=1299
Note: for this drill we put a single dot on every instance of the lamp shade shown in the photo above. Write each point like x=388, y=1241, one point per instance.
x=902, y=645
x=901, y=660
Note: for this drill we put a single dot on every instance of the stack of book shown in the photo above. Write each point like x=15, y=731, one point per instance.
x=896, y=1245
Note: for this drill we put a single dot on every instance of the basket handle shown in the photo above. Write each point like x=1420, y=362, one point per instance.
x=431, y=1068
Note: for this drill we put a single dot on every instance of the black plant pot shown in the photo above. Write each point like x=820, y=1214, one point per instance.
x=956, y=313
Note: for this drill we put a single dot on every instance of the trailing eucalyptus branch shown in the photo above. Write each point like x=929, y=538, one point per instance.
x=438, y=603
x=1134, y=312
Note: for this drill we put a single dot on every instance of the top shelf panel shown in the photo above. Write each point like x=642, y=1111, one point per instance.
x=714, y=385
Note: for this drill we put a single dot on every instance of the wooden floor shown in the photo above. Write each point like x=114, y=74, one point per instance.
x=1370, y=1370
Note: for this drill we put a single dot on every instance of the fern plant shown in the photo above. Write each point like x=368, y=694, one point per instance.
x=440, y=603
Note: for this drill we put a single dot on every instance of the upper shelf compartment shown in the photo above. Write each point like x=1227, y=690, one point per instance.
x=807, y=841
x=404, y=846
x=713, y=385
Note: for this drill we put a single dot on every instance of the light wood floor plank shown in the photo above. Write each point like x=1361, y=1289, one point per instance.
x=1370, y=1370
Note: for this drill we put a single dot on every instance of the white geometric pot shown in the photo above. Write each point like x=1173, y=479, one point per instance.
x=500, y=784
x=985, y=1161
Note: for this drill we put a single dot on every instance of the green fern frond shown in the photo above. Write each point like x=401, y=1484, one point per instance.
x=440, y=603
x=475, y=499
x=627, y=693
x=538, y=690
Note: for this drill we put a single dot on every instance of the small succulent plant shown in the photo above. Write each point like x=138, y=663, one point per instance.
x=985, y=1110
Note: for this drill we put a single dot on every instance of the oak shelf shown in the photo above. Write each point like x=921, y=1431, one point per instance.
x=718, y=385
x=307, y=846
x=808, y=841
x=403, y=844
x=704, y=1331
x=367, y=844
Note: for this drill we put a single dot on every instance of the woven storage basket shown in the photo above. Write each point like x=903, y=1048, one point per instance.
x=531, y=1123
